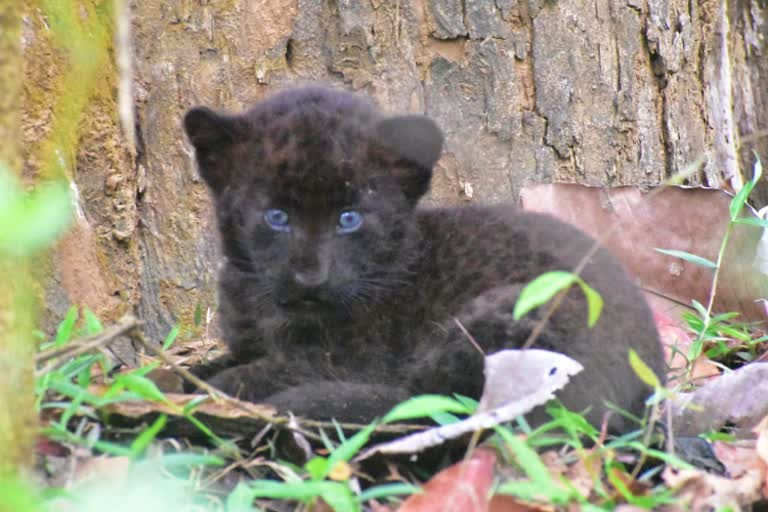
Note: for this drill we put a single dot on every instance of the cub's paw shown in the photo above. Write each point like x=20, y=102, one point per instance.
x=237, y=383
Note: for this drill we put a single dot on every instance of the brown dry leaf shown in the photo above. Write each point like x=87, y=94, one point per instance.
x=737, y=398
x=463, y=487
x=703, y=491
x=502, y=503
x=761, y=446
x=221, y=409
x=583, y=474
x=739, y=457
x=691, y=220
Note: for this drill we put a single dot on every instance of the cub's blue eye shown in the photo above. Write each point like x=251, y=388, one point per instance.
x=277, y=220
x=349, y=221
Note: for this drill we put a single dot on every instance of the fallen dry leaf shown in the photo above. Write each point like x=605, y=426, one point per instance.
x=703, y=491
x=463, y=487
x=761, y=447
x=508, y=392
x=686, y=219
x=502, y=503
x=737, y=398
x=514, y=374
x=739, y=457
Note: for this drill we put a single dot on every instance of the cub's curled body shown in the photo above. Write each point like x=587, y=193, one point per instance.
x=338, y=296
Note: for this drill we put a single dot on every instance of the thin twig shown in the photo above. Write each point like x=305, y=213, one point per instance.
x=77, y=348
x=471, y=339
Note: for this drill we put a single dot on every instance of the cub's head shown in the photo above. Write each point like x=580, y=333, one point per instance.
x=314, y=191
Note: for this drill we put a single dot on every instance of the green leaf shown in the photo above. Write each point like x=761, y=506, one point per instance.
x=740, y=199
x=66, y=327
x=317, y=467
x=752, y=221
x=642, y=370
x=142, y=386
x=301, y=491
x=198, y=315
x=388, y=490
x=92, y=324
x=424, y=406
x=349, y=448
x=171, y=337
x=340, y=498
x=142, y=442
x=30, y=222
x=240, y=499
x=594, y=302
x=185, y=460
x=696, y=260
x=533, y=467
x=541, y=290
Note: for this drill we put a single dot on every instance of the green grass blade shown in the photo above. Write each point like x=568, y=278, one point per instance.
x=692, y=258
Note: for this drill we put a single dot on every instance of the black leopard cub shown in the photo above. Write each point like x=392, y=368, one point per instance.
x=338, y=295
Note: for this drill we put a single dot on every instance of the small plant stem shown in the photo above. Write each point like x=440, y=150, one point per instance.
x=712, y=293
x=670, y=431
x=653, y=417
x=471, y=339
x=78, y=348
x=715, y=278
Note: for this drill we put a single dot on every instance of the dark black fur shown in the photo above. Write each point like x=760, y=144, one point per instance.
x=346, y=325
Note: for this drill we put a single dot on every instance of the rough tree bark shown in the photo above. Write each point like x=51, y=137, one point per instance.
x=598, y=92
x=18, y=420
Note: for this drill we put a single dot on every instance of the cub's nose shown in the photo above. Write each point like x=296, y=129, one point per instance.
x=310, y=278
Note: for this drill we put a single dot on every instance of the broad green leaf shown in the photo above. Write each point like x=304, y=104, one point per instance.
x=301, y=491
x=388, y=490
x=424, y=406
x=541, y=290
x=572, y=422
x=752, y=221
x=700, y=309
x=184, y=460
x=525, y=489
x=340, y=498
x=66, y=327
x=142, y=442
x=349, y=448
x=33, y=221
x=594, y=303
x=92, y=324
x=444, y=418
x=532, y=466
x=740, y=199
x=317, y=467
x=240, y=499
x=642, y=370
x=198, y=315
x=696, y=260
x=171, y=337
x=142, y=386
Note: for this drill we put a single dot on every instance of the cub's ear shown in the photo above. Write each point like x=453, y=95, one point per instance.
x=416, y=140
x=212, y=134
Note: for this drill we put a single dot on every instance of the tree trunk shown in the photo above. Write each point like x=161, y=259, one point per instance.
x=597, y=92
x=18, y=420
